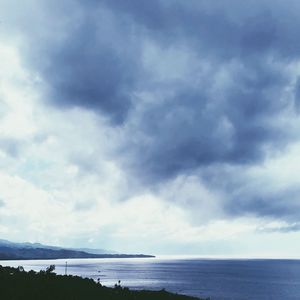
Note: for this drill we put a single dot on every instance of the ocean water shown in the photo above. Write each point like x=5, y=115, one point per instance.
x=219, y=279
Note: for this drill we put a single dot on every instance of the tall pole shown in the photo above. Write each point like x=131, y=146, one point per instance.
x=66, y=268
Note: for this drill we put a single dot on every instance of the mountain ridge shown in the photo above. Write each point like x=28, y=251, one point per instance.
x=27, y=251
x=39, y=245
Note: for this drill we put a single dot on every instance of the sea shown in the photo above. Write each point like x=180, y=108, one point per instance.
x=217, y=279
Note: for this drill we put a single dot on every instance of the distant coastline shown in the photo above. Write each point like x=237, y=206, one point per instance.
x=28, y=251
x=5, y=258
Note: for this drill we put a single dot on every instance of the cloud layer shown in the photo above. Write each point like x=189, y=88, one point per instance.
x=188, y=107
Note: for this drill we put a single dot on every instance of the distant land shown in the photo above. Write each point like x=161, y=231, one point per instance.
x=24, y=251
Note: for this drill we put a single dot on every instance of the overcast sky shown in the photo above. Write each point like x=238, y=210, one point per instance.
x=162, y=126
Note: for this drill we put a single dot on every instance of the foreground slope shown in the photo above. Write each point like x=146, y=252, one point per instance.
x=16, y=284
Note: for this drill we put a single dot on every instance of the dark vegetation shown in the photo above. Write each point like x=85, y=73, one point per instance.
x=16, y=284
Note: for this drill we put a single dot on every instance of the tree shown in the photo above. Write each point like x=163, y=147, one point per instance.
x=50, y=269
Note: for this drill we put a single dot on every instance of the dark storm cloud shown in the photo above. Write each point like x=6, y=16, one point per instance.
x=200, y=124
x=91, y=76
x=282, y=205
x=223, y=106
x=195, y=128
x=227, y=29
x=91, y=62
x=94, y=60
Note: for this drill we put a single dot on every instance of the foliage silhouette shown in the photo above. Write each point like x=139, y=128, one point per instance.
x=16, y=284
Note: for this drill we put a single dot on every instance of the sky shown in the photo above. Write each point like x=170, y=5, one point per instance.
x=160, y=127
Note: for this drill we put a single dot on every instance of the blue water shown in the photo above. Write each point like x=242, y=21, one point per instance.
x=218, y=279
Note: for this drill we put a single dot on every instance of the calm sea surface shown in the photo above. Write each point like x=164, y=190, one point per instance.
x=218, y=279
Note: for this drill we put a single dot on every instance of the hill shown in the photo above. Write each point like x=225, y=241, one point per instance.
x=22, y=251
